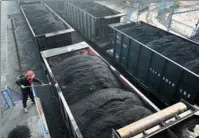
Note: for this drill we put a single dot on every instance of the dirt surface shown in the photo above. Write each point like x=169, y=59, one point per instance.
x=100, y=112
x=81, y=75
x=173, y=47
x=41, y=20
x=95, y=9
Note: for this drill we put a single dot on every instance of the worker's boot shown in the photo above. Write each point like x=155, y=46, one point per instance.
x=25, y=110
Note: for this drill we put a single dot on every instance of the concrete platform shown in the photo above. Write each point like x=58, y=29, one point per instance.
x=14, y=116
x=30, y=60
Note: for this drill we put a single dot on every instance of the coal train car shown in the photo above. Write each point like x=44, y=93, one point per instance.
x=80, y=115
x=161, y=62
x=48, y=29
x=80, y=16
x=92, y=19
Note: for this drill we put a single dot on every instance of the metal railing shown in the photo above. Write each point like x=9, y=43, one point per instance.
x=8, y=98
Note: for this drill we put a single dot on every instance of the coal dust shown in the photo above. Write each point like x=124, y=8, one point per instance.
x=20, y=132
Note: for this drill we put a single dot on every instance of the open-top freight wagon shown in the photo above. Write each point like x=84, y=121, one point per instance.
x=48, y=29
x=103, y=111
x=91, y=20
x=154, y=71
x=161, y=62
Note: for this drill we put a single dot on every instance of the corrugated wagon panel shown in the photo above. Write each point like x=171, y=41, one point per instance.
x=91, y=25
x=169, y=77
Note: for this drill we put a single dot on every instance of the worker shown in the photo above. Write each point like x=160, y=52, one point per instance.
x=24, y=81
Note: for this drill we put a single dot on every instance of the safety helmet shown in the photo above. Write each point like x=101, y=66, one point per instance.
x=30, y=74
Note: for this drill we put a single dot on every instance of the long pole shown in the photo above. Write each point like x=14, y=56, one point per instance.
x=37, y=85
x=17, y=48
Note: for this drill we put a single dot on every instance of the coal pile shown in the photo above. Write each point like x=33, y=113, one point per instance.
x=41, y=20
x=20, y=132
x=81, y=75
x=95, y=96
x=95, y=9
x=177, y=49
x=106, y=109
x=143, y=32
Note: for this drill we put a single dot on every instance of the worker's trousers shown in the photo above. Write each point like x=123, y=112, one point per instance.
x=25, y=93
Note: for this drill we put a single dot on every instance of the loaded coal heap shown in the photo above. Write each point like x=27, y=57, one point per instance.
x=177, y=49
x=81, y=75
x=95, y=96
x=41, y=20
x=106, y=109
x=95, y=9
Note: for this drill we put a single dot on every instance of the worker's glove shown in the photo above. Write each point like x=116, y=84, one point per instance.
x=22, y=86
x=42, y=83
x=50, y=83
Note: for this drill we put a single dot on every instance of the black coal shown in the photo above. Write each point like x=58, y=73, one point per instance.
x=107, y=109
x=95, y=9
x=177, y=49
x=41, y=20
x=81, y=75
x=95, y=96
x=20, y=132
